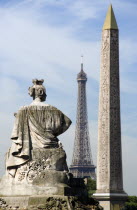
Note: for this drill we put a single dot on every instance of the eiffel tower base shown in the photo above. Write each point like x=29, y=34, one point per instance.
x=83, y=171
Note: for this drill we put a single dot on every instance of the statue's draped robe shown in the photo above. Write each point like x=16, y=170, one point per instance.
x=34, y=127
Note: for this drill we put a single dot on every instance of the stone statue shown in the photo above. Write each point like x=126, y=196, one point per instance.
x=36, y=151
x=37, y=175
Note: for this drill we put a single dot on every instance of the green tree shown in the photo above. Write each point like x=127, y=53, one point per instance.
x=131, y=203
x=91, y=186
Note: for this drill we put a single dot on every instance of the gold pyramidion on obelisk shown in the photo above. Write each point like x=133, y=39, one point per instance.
x=110, y=21
x=110, y=191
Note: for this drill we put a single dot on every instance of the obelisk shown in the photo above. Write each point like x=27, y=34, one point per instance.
x=110, y=191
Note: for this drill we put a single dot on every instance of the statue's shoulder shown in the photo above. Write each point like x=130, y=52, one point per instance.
x=22, y=108
x=41, y=106
x=50, y=107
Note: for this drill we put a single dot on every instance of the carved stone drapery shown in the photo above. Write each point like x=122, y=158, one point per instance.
x=36, y=162
x=35, y=127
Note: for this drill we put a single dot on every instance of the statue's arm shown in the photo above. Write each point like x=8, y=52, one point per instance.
x=14, y=134
x=15, y=131
x=65, y=123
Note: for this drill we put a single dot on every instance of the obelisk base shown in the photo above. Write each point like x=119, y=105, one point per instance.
x=111, y=201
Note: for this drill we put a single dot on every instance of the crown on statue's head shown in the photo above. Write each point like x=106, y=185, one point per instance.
x=38, y=90
x=37, y=81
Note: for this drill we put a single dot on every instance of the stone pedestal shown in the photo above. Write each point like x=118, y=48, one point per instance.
x=48, y=203
x=43, y=182
x=111, y=201
x=45, y=174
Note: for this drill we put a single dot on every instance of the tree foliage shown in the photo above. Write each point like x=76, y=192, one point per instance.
x=91, y=186
x=131, y=203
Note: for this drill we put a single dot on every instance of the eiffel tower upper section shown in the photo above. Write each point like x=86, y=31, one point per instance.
x=82, y=163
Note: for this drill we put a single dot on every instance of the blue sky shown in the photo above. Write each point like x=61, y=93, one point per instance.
x=45, y=39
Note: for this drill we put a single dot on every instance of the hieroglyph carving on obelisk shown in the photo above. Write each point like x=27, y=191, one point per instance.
x=109, y=160
x=109, y=131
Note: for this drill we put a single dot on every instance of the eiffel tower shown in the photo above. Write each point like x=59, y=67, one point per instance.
x=82, y=163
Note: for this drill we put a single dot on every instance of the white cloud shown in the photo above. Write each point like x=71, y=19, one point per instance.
x=24, y=41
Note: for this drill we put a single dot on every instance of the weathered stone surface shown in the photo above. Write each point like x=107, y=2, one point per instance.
x=36, y=162
x=37, y=174
x=3, y=204
x=52, y=203
x=109, y=133
x=45, y=173
x=36, y=126
x=109, y=160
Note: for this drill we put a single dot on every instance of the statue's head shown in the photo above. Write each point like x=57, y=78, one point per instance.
x=38, y=91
